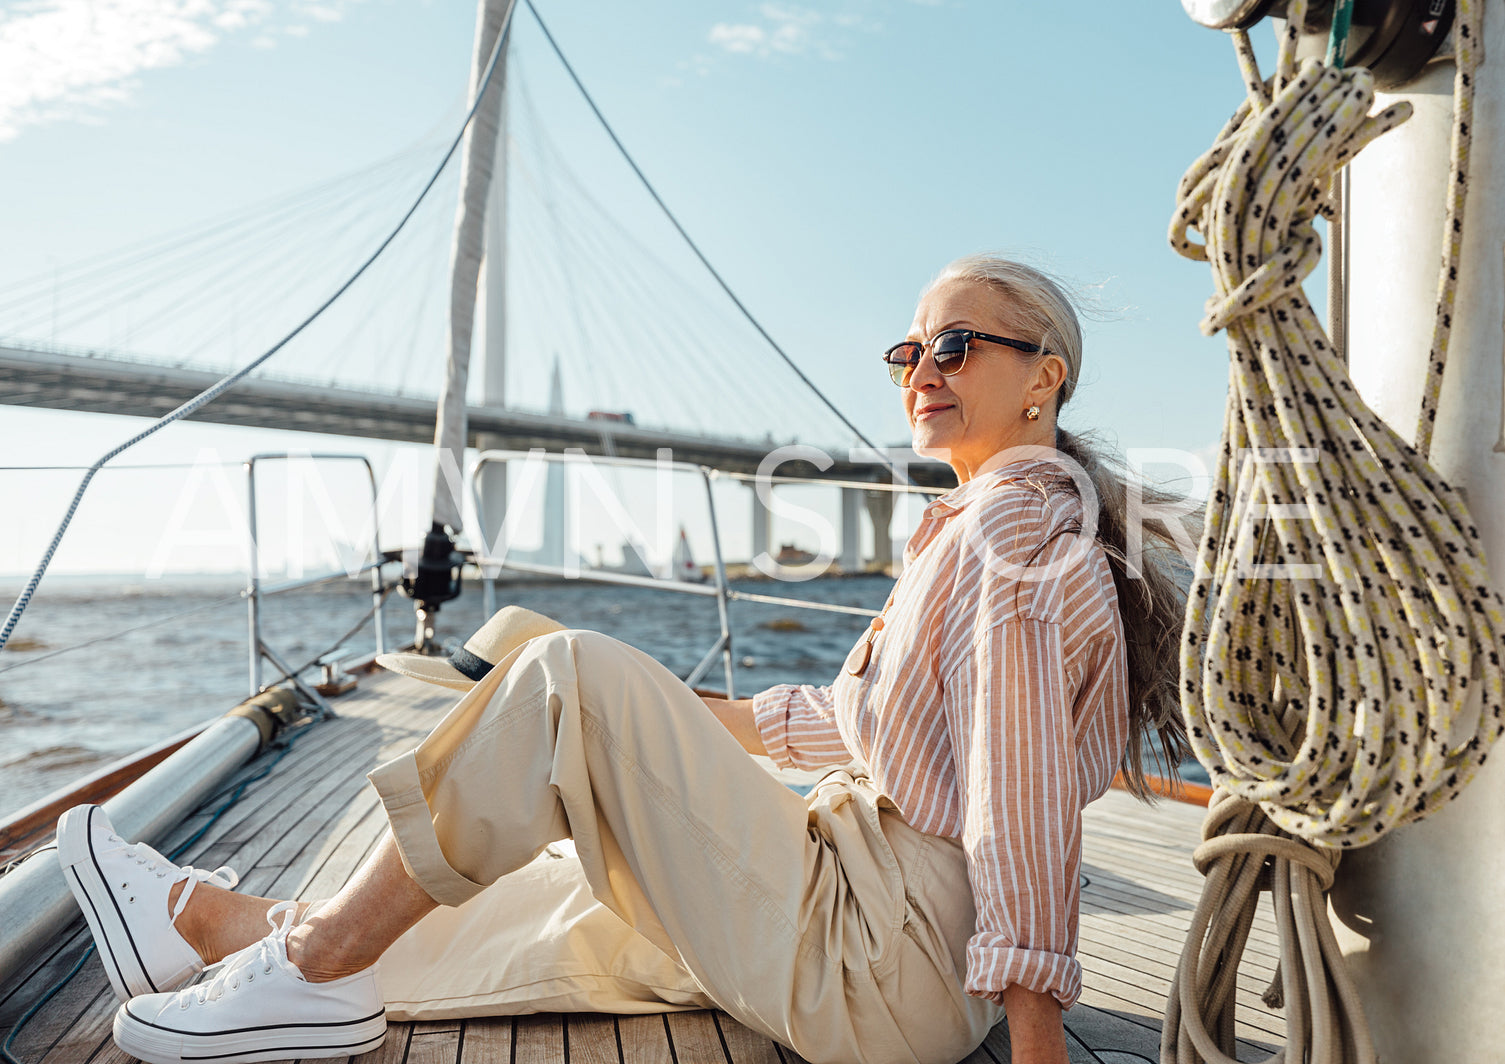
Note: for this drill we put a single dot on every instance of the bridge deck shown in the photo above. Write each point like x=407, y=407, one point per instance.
x=306, y=827
x=79, y=382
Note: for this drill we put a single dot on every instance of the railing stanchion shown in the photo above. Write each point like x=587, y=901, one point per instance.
x=726, y=628
x=378, y=592
x=254, y=591
x=722, y=592
x=253, y=582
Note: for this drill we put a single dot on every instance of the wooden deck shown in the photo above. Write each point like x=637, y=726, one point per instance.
x=306, y=827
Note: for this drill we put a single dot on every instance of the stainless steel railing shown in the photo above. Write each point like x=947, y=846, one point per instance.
x=719, y=589
x=255, y=591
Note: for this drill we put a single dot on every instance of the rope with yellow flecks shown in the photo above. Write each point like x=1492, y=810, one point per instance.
x=1341, y=670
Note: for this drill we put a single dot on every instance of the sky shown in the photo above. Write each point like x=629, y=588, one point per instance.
x=828, y=157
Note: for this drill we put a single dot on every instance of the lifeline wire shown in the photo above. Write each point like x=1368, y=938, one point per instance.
x=214, y=391
x=883, y=458
x=1341, y=670
x=227, y=600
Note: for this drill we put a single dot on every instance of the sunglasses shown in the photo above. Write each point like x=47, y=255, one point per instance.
x=949, y=349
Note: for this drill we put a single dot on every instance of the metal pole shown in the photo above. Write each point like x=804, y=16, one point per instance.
x=35, y=905
x=1429, y=899
x=253, y=586
x=377, y=596
x=726, y=628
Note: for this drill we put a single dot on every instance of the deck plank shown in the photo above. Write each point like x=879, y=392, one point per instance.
x=997, y=1046
x=71, y=1007
x=745, y=1046
x=393, y=1051
x=695, y=1038
x=539, y=1039
x=1106, y=1031
x=592, y=1039
x=645, y=1040
x=46, y=968
x=89, y=1031
x=305, y=828
x=487, y=1041
x=434, y=1043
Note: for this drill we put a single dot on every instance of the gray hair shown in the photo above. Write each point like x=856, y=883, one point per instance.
x=1038, y=307
x=1151, y=603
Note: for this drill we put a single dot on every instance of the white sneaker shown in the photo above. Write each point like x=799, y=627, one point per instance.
x=123, y=888
x=257, y=1007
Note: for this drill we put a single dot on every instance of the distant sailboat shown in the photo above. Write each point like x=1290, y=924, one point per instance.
x=683, y=567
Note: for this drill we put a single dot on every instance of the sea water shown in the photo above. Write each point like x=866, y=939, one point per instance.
x=81, y=688
x=99, y=668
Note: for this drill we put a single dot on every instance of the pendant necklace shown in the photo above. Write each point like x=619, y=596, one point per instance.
x=856, y=663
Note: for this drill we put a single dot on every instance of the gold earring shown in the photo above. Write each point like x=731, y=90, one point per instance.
x=1033, y=413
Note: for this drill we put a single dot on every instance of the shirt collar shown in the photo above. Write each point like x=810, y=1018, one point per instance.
x=960, y=497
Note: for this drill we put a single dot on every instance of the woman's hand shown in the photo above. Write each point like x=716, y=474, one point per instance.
x=1036, y=1034
x=736, y=715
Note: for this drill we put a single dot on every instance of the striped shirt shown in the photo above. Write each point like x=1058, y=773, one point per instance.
x=994, y=706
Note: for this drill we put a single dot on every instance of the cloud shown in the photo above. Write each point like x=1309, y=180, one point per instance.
x=75, y=59
x=783, y=30
x=740, y=38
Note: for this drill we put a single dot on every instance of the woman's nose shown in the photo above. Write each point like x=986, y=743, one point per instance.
x=925, y=376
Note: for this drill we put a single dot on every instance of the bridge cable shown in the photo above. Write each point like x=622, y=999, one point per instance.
x=882, y=458
x=213, y=392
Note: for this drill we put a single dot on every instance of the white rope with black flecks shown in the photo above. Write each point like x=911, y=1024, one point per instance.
x=1341, y=664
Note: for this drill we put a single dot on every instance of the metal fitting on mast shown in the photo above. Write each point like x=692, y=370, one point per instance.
x=433, y=580
x=1395, y=39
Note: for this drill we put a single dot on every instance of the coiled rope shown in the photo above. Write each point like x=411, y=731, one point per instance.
x=1341, y=619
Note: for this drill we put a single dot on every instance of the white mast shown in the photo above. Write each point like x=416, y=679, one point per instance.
x=493, y=315
x=435, y=578
x=477, y=163
x=1421, y=914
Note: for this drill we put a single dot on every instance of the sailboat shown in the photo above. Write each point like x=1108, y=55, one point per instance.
x=683, y=565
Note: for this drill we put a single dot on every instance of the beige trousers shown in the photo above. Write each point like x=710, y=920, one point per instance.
x=825, y=922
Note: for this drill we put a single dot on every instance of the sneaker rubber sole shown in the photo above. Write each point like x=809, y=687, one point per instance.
x=117, y=949
x=157, y=1043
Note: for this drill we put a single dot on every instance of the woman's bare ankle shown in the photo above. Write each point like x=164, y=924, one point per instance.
x=217, y=923
x=320, y=957
x=187, y=924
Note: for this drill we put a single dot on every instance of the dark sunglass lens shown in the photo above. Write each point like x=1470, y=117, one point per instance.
x=950, y=351
x=901, y=359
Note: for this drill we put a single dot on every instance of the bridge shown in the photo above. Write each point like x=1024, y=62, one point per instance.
x=52, y=379
x=79, y=381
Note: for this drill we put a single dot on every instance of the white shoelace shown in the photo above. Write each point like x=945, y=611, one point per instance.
x=260, y=958
x=223, y=876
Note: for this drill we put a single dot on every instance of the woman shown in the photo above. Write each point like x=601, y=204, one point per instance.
x=894, y=913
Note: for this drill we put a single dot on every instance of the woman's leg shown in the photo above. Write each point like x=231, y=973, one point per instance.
x=791, y=917
x=353, y=930
x=218, y=922
x=536, y=940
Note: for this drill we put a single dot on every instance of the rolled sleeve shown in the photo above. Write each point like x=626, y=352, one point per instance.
x=798, y=726
x=1010, y=714
x=990, y=968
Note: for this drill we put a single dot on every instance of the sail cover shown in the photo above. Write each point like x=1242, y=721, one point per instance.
x=477, y=160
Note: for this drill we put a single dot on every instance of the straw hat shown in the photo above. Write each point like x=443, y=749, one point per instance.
x=509, y=628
